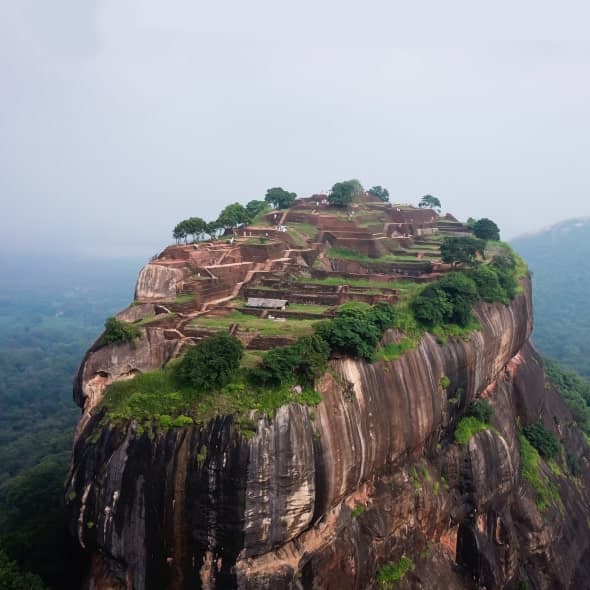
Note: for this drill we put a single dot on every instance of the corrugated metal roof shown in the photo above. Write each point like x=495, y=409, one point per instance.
x=266, y=303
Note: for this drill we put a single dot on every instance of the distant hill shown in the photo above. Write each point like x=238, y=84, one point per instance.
x=559, y=257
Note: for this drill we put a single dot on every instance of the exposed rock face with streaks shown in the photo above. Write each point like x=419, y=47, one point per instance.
x=323, y=498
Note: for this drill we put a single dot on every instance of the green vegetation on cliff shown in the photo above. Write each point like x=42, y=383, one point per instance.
x=393, y=572
x=546, y=492
x=477, y=419
x=117, y=331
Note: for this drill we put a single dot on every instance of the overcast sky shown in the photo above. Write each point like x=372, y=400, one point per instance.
x=118, y=118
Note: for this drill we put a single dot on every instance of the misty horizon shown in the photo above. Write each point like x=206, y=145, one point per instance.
x=121, y=119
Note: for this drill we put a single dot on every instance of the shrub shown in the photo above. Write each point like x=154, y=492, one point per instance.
x=352, y=332
x=466, y=428
x=546, y=492
x=211, y=363
x=462, y=292
x=505, y=268
x=313, y=352
x=448, y=300
x=461, y=250
x=481, y=409
x=432, y=307
x=573, y=464
x=542, y=439
x=382, y=316
x=118, y=331
x=488, y=284
x=304, y=361
x=181, y=421
x=393, y=572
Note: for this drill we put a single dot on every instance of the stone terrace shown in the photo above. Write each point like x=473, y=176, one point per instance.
x=197, y=289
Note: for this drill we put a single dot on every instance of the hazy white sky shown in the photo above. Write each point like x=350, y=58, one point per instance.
x=118, y=118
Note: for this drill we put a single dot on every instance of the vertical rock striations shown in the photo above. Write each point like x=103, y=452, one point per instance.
x=324, y=499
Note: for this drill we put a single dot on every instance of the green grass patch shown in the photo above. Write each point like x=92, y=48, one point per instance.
x=393, y=572
x=152, y=318
x=264, y=326
x=346, y=254
x=405, y=322
x=467, y=427
x=546, y=492
x=405, y=287
x=185, y=298
x=358, y=510
x=308, y=307
x=154, y=398
x=445, y=331
x=394, y=350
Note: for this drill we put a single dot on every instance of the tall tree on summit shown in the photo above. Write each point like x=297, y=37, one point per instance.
x=379, y=192
x=429, y=202
x=279, y=198
x=343, y=193
x=233, y=216
x=486, y=229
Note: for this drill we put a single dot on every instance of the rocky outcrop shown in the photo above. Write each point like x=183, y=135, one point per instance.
x=323, y=498
x=103, y=365
x=157, y=282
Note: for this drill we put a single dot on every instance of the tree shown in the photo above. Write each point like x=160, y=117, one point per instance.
x=12, y=578
x=462, y=292
x=380, y=192
x=461, y=250
x=211, y=363
x=488, y=284
x=429, y=202
x=279, y=198
x=486, y=229
x=312, y=353
x=195, y=226
x=180, y=231
x=255, y=207
x=212, y=228
x=354, y=330
x=233, y=216
x=448, y=300
x=432, y=307
x=343, y=193
x=481, y=409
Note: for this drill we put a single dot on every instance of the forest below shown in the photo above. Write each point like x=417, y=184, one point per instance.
x=558, y=259
x=50, y=312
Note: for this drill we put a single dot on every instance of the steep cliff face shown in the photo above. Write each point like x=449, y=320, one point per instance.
x=323, y=498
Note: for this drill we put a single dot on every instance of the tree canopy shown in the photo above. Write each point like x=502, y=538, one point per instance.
x=486, y=229
x=193, y=226
x=279, y=198
x=211, y=363
x=233, y=216
x=429, y=202
x=448, y=300
x=461, y=250
x=357, y=328
x=379, y=192
x=255, y=207
x=344, y=192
